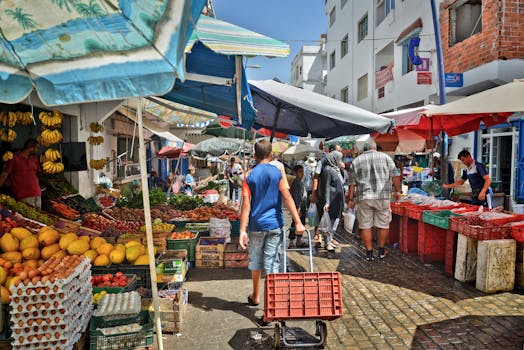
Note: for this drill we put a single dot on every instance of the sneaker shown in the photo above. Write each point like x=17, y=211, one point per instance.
x=382, y=252
x=369, y=255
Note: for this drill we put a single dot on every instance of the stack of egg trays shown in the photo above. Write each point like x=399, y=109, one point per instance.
x=52, y=315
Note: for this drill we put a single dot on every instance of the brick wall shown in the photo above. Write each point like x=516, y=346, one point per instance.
x=502, y=36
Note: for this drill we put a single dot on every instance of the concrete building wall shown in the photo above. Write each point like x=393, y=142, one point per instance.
x=309, y=68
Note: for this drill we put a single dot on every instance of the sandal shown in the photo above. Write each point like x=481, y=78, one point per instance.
x=251, y=302
x=318, y=245
x=330, y=248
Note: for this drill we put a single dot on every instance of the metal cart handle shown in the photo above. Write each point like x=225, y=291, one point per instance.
x=285, y=249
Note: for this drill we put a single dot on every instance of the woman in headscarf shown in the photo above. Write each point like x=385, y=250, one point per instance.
x=331, y=194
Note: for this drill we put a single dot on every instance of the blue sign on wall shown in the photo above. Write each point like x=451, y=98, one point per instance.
x=454, y=79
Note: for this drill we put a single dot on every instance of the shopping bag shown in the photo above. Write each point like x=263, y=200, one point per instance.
x=220, y=228
x=312, y=215
x=325, y=223
x=349, y=220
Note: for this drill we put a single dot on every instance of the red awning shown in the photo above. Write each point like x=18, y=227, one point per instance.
x=174, y=152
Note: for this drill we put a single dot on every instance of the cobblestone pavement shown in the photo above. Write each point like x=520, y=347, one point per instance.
x=395, y=303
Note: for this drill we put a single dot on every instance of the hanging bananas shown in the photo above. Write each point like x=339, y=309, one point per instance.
x=25, y=118
x=97, y=163
x=52, y=155
x=8, y=135
x=7, y=156
x=8, y=119
x=95, y=140
x=96, y=127
x=50, y=137
x=50, y=167
x=52, y=119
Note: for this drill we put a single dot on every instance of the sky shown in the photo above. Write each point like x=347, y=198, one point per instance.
x=295, y=22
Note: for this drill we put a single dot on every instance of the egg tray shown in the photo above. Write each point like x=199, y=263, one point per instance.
x=52, y=345
x=80, y=268
x=68, y=316
x=79, y=323
x=55, y=300
x=118, y=313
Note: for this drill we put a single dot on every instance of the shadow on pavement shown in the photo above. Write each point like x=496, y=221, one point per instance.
x=204, y=275
x=472, y=332
x=262, y=338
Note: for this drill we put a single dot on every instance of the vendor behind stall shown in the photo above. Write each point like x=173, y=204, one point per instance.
x=437, y=171
x=189, y=181
x=479, y=180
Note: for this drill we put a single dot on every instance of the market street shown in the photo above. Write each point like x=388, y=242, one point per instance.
x=396, y=303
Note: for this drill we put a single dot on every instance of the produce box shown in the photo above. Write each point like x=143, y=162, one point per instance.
x=213, y=245
x=496, y=265
x=131, y=285
x=172, y=308
x=172, y=266
x=235, y=256
x=143, y=276
x=210, y=261
x=187, y=244
x=124, y=340
x=67, y=225
x=86, y=231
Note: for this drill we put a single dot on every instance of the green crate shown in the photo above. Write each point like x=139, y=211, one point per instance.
x=187, y=244
x=122, y=341
x=437, y=218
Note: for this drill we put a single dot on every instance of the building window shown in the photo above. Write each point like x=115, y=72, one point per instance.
x=332, y=60
x=362, y=84
x=344, y=95
x=381, y=11
x=300, y=71
x=363, y=28
x=344, y=46
x=343, y=3
x=332, y=16
x=465, y=21
x=381, y=92
x=407, y=66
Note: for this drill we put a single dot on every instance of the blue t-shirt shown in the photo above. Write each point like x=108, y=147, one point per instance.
x=263, y=184
x=189, y=180
x=475, y=174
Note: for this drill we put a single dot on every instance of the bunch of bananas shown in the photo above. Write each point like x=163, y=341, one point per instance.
x=51, y=154
x=7, y=156
x=52, y=167
x=49, y=137
x=8, y=119
x=8, y=135
x=52, y=119
x=25, y=118
x=97, y=163
x=96, y=127
x=95, y=140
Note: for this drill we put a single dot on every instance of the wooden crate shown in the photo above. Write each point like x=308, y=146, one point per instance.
x=67, y=225
x=171, y=311
x=235, y=256
x=205, y=263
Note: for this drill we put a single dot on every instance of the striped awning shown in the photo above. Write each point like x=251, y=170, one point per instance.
x=229, y=39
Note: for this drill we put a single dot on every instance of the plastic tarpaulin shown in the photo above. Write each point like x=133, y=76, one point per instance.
x=217, y=147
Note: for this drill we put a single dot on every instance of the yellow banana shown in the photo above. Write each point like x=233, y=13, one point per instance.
x=7, y=156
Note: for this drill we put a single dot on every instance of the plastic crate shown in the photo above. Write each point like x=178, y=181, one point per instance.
x=115, y=290
x=517, y=232
x=398, y=208
x=123, y=341
x=143, y=276
x=431, y=243
x=408, y=235
x=450, y=252
x=187, y=244
x=438, y=218
x=483, y=233
x=394, y=229
x=513, y=217
x=302, y=295
x=415, y=211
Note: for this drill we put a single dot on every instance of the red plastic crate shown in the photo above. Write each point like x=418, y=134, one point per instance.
x=517, y=232
x=409, y=236
x=502, y=221
x=398, y=208
x=450, y=252
x=431, y=243
x=394, y=229
x=415, y=211
x=301, y=295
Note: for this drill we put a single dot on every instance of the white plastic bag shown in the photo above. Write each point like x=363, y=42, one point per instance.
x=220, y=228
x=325, y=223
x=312, y=215
x=349, y=220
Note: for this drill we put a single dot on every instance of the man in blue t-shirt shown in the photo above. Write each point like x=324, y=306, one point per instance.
x=263, y=191
x=479, y=180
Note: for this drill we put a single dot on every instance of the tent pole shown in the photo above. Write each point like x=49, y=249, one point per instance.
x=149, y=229
x=275, y=121
x=238, y=67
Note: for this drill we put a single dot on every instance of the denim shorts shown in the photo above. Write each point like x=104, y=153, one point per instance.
x=264, y=250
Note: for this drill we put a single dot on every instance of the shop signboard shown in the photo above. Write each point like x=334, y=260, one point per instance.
x=454, y=79
x=424, y=78
x=424, y=65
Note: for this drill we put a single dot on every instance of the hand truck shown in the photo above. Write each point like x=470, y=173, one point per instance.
x=301, y=296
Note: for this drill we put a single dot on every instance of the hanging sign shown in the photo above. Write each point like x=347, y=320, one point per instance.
x=424, y=78
x=454, y=79
x=423, y=66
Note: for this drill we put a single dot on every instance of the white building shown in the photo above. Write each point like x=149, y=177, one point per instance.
x=308, y=69
x=367, y=53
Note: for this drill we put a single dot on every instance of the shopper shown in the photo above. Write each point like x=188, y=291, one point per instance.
x=157, y=181
x=22, y=172
x=299, y=194
x=331, y=195
x=370, y=178
x=233, y=171
x=263, y=192
x=479, y=180
x=189, y=181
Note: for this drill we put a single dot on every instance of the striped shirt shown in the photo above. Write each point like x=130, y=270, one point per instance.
x=371, y=172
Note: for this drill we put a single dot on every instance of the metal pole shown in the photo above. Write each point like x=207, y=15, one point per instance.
x=442, y=89
x=275, y=121
x=149, y=229
x=238, y=68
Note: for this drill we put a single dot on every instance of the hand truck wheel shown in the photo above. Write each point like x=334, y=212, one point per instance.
x=276, y=337
x=321, y=331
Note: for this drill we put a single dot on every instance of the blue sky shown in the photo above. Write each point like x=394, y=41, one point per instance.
x=295, y=22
